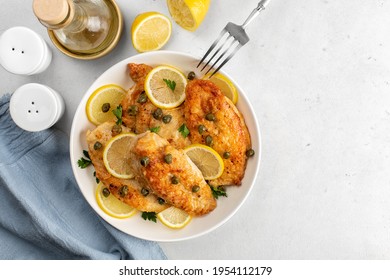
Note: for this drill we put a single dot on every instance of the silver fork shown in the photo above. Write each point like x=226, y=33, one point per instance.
x=235, y=39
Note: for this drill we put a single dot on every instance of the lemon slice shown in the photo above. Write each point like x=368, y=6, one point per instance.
x=102, y=101
x=225, y=85
x=111, y=205
x=165, y=86
x=150, y=31
x=116, y=156
x=189, y=14
x=206, y=159
x=174, y=217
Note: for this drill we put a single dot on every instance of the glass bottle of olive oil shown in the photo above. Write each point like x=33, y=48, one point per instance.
x=81, y=26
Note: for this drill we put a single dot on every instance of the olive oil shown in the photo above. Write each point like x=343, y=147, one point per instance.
x=80, y=26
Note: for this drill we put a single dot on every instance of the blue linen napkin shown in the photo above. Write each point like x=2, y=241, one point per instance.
x=43, y=215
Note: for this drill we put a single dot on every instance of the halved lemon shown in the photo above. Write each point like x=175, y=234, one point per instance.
x=102, y=101
x=174, y=217
x=165, y=86
x=116, y=156
x=111, y=205
x=150, y=31
x=225, y=85
x=189, y=14
x=206, y=159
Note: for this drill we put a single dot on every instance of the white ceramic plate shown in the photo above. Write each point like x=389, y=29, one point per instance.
x=135, y=225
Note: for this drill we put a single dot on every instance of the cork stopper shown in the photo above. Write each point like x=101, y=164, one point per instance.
x=53, y=13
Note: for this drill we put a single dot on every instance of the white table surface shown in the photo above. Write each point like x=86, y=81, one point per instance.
x=318, y=75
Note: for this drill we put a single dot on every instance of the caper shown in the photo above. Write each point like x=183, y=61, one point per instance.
x=191, y=75
x=209, y=140
x=160, y=201
x=168, y=158
x=201, y=129
x=195, y=188
x=226, y=155
x=106, y=192
x=167, y=119
x=144, y=161
x=116, y=129
x=250, y=153
x=133, y=110
x=142, y=98
x=106, y=107
x=210, y=117
x=175, y=180
x=123, y=191
x=144, y=192
x=97, y=145
x=157, y=114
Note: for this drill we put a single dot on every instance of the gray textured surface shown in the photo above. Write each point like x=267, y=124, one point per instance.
x=318, y=74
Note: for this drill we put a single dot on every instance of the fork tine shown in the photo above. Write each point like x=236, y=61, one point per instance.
x=222, y=55
x=227, y=59
x=218, y=50
x=223, y=32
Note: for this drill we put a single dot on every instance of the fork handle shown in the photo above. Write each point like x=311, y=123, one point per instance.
x=261, y=6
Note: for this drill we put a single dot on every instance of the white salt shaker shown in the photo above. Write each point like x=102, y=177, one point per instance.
x=35, y=107
x=23, y=51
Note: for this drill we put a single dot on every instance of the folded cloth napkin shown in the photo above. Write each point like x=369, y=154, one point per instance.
x=43, y=215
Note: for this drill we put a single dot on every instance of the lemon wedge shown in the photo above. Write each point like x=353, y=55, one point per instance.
x=206, y=159
x=225, y=85
x=111, y=205
x=174, y=217
x=116, y=156
x=101, y=103
x=189, y=14
x=165, y=86
x=150, y=31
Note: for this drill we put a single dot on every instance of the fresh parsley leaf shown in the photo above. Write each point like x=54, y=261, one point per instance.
x=218, y=191
x=151, y=216
x=155, y=129
x=183, y=129
x=83, y=163
x=118, y=114
x=170, y=84
x=86, y=154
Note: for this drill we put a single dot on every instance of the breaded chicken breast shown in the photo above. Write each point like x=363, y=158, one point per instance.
x=170, y=174
x=103, y=133
x=224, y=128
x=140, y=115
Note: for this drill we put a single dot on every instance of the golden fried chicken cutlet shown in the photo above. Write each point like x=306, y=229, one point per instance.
x=171, y=175
x=224, y=128
x=136, y=113
x=140, y=115
x=133, y=197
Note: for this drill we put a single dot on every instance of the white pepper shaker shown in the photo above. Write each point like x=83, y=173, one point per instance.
x=23, y=51
x=35, y=107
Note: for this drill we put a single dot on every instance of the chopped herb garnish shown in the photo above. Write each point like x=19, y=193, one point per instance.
x=155, y=129
x=218, y=191
x=184, y=130
x=151, y=216
x=84, y=162
x=170, y=84
x=86, y=154
x=118, y=114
